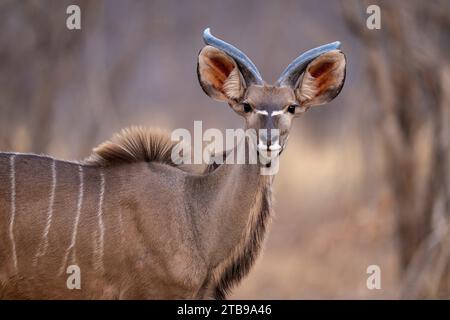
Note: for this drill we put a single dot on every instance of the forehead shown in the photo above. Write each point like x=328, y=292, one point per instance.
x=267, y=95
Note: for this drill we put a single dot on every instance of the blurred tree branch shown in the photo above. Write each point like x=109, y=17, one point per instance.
x=411, y=83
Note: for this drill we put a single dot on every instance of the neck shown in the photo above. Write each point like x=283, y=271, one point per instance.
x=238, y=206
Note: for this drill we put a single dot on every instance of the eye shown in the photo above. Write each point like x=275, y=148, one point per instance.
x=247, y=107
x=291, y=108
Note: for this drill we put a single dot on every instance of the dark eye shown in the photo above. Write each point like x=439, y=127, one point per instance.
x=247, y=108
x=291, y=108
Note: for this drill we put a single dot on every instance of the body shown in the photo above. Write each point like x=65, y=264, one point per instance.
x=109, y=239
x=105, y=220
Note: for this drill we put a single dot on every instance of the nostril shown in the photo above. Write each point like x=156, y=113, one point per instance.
x=263, y=139
x=269, y=140
x=275, y=136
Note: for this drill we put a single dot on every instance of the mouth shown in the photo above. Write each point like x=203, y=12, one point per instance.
x=275, y=148
x=267, y=154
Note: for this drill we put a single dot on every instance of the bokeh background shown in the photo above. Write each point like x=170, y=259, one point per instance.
x=365, y=180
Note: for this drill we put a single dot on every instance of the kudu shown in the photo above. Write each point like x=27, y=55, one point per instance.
x=137, y=225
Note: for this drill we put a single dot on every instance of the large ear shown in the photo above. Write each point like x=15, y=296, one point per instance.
x=219, y=75
x=322, y=80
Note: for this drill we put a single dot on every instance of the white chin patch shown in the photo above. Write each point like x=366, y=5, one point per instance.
x=266, y=156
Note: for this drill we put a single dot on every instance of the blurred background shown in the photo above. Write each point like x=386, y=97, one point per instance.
x=366, y=178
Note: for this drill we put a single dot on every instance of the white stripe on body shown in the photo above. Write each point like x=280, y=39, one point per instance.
x=77, y=219
x=44, y=242
x=12, y=163
x=101, y=233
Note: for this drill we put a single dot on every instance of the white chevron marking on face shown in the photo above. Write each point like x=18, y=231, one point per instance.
x=263, y=112
x=276, y=113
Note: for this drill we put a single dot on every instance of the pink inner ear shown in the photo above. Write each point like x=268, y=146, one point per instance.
x=326, y=74
x=218, y=69
x=219, y=75
x=323, y=79
x=317, y=70
x=221, y=65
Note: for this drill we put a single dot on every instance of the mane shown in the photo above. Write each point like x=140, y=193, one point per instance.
x=134, y=144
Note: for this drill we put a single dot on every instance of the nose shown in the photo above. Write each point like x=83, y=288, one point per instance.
x=269, y=139
x=263, y=139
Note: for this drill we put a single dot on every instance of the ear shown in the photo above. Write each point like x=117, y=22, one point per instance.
x=219, y=75
x=322, y=80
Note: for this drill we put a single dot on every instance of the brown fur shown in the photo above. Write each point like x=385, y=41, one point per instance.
x=239, y=263
x=182, y=271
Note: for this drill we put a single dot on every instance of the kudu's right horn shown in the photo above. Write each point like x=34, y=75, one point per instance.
x=246, y=66
x=292, y=73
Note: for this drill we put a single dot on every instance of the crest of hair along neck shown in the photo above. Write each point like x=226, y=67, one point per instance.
x=134, y=144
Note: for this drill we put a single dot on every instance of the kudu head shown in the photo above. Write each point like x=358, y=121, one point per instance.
x=313, y=78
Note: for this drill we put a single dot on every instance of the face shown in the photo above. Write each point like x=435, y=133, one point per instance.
x=269, y=108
